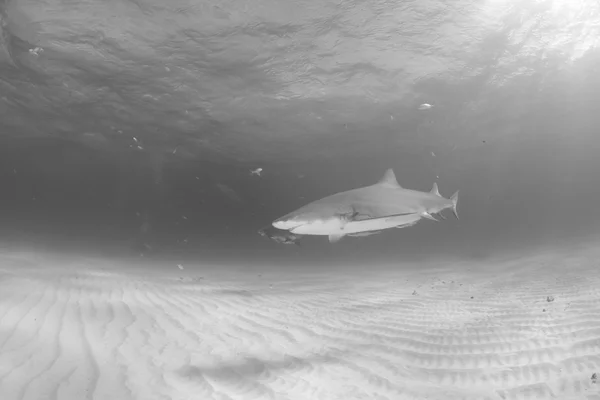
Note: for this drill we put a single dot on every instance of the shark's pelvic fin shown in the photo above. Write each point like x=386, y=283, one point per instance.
x=425, y=214
x=335, y=238
x=454, y=200
x=389, y=180
x=435, y=190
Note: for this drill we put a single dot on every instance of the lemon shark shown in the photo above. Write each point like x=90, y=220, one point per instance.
x=383, y=205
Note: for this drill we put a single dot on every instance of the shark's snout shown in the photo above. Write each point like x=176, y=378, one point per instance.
x=286, y=224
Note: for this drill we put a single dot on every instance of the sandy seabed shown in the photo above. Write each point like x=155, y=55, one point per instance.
x=524, y=327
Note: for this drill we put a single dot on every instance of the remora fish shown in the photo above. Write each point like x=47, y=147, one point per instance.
x=385, y=198
x=338, y=227
x=279, y=236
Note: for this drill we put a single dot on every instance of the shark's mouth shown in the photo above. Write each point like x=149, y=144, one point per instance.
x=298, y=227
x=295, y=230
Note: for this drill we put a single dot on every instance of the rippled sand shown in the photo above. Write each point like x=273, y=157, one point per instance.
x=517, y=328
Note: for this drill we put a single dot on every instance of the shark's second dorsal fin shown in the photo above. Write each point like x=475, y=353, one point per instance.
x=435, y=190
x=389, y=179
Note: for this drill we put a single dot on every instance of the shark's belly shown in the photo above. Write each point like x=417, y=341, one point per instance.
x=378, y=224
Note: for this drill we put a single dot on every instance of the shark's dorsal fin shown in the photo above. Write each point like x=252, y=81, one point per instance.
x=435, y=190
x=389, y=179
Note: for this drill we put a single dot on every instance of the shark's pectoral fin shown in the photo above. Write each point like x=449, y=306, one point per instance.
x=425, y=214
x=335, y=238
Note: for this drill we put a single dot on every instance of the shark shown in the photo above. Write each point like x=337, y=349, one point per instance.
x=380, y=205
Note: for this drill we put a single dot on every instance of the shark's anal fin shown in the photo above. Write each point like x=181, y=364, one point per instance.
x=335, y=238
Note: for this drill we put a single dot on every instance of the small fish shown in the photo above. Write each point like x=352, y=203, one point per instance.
x=256, y=171
x=36, y=51
x=364, y=234
x=279, y=235
x=229, y=193
x=425, y=106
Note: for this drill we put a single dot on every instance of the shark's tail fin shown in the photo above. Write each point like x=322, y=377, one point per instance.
x=454, y=200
